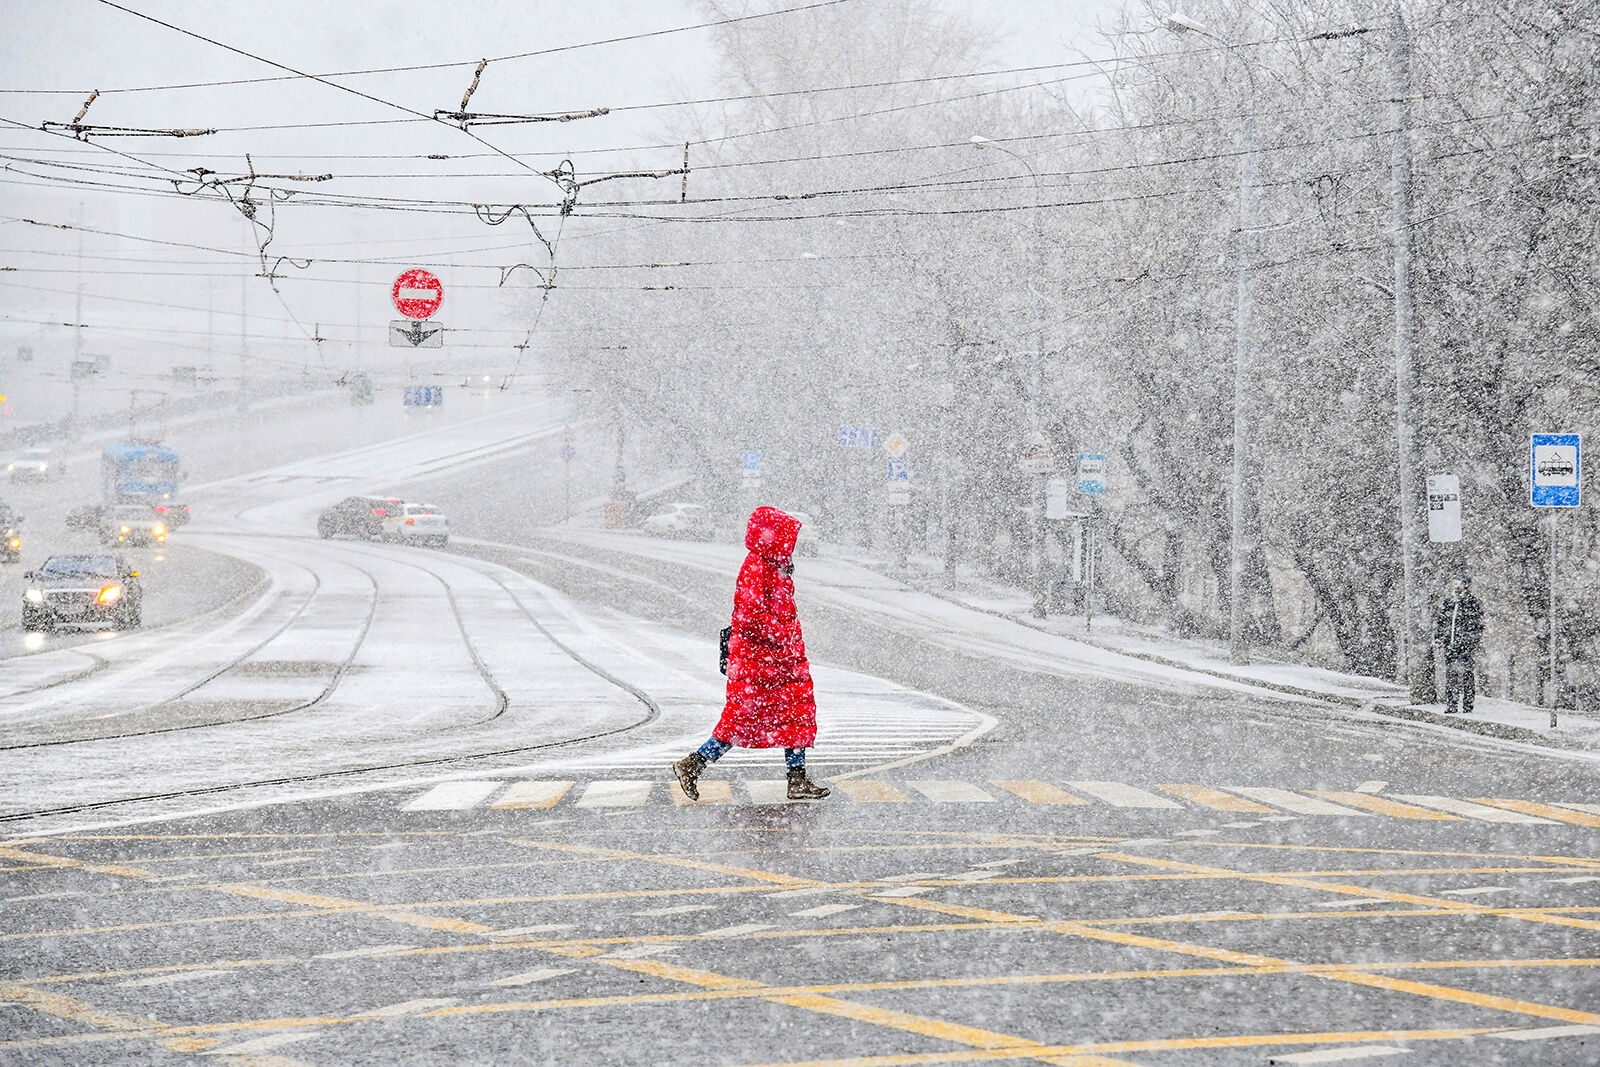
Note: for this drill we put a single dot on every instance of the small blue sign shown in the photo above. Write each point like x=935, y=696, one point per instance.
x=858, y=437
x=752, y=460
x=1556, y=467
x=1091, y=472
x=567, y=452
x=424, y=396
x=899, y=471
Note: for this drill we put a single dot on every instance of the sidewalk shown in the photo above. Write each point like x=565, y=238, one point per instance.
x=1490, y=716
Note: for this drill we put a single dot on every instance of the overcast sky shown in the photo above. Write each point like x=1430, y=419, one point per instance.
x=77, y=45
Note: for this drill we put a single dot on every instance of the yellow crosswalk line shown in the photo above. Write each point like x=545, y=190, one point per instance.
x=1383, y=806
x=1035, y=792
x=1207, y=797
x=1529, y=807
x=867, y=791
x=533, y=795
x=717, y=792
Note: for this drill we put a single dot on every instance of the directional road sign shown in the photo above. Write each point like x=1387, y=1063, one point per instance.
x=417, y=294
x=408, y=333
x=899, y=481
x=896, y=445
x=1444, y=508
x=568, y=452
x=858, y=437
x=423, y=396
x=1556, y=469
x=1091, y=472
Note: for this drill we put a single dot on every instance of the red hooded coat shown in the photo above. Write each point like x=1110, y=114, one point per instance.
x=770, y=702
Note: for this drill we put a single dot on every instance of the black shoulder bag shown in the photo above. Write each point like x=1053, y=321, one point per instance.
x=727, y=632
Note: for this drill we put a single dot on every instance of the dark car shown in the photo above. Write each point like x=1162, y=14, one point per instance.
x=83, y=590
x=357, y=516
x=132, y=524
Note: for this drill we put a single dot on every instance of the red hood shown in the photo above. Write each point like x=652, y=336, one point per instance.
x=771, y=533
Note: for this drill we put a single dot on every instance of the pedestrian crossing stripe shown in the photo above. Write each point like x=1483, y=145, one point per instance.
x=608, y=794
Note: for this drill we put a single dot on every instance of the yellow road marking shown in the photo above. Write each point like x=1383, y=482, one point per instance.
x=1383, y=805
x=1545, y=811
x=533, y=795
x=1216, y=798
x=117, y=1023
x=1158, y=1045
x=713, y=792
x=38, y=859
x=869, y=791
x=1039, y=792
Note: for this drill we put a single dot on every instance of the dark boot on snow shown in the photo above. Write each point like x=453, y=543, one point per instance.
x=803, y=788
x=688, y=770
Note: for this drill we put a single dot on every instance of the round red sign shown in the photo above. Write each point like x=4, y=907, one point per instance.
x=417, y=294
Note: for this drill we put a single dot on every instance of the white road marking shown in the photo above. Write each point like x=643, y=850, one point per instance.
x=171, y=979
x=947, y=791
x=1545, y=1033
x=1470, y=810
x=681, y=909
x=1371, y=787
x=919, y=876
x=453, y=796
x=1121, y=795
x=784, y=894
x=822, y=911
x=1576, y=879
x=1592, y=809
x=357, y=953
x=407, y=1007
x=617, y=794
x=1240, y=825
x=735, y=931
x=523, y=931
x=1348, y=903
x=262, y=1044
x=530, y=977
x=1339, y=1055
x=1295, y=802
x=1476, y=891
x=905, y=891
x=768, y=791
x=1197, y=833
x=639, y=952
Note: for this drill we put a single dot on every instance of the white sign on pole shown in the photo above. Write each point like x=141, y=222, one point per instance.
x=899, y=481
x=1056, y=491
x=409, y=333
x=1038, y=454
x=1444, y=508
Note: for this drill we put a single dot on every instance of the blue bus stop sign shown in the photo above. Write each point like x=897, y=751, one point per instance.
x=1556, y=468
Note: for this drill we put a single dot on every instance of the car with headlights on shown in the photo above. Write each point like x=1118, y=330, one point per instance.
x=10, y=534
x=417, y=524
x=96, y=590
x=34, y=464
x=132, y=524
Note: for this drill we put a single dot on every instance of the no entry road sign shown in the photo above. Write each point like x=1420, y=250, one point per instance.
x=417, y=294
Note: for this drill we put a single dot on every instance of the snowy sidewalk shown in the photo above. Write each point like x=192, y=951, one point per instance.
x=1490, y=716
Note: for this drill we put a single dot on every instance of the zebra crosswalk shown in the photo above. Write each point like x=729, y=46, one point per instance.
x=1263, y=802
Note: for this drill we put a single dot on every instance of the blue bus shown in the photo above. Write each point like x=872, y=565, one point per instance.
x=131, y=472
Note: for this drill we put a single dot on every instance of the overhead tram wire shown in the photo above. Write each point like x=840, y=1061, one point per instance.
x=452, y=64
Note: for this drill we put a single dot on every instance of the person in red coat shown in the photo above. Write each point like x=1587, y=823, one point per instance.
x=770, y=702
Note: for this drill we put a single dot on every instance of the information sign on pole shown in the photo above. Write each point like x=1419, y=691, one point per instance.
x=1444, y=508
x=1091, y=472
x=1556, y=469
x=858, y=437
x=899, y=481
x=423, y=396
x=1055, y=499
x=750, y=464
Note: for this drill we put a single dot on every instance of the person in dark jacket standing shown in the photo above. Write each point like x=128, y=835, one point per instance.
x=1457, y=630
x=770, y=701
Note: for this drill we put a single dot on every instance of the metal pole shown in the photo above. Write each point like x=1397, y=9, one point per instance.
x=1088, y=566
x=1411, y=621
x=1239, y=514
x=1553, y=690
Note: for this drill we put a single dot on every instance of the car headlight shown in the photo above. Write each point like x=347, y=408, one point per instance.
x=125, y=529
x=158, y=529
x=109, y=594
x=15, y=542
x=35, y=596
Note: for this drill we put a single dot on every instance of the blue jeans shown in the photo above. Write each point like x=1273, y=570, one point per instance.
x=713, y=750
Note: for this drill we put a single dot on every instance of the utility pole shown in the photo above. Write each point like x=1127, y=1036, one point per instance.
x=244, y=341
x=77, y=335
x=1240, y=518
x=1411, y=667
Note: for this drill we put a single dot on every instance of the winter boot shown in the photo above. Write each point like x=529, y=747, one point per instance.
x=803, y=788
x=688, y=770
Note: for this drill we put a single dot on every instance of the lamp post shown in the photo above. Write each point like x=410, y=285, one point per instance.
x=1035, y=390
x=1238, y=512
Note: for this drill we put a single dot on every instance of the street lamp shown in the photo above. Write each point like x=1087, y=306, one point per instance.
x=1035, y=391
x=1249, y=167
